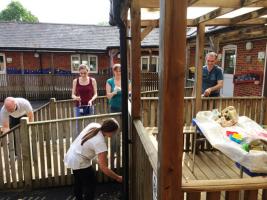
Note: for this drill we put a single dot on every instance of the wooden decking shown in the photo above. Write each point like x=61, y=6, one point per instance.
x=211, y=165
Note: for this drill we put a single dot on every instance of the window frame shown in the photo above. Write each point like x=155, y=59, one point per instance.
x=225, y=48
x=4, y=61
x=157, y=64
x=88, y=56
x=148, y=59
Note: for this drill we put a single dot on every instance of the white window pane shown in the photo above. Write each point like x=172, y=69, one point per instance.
x=93, y=63
x=75, y=63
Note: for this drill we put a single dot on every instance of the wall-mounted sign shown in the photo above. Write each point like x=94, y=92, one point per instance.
x=261, y=55
x=9, y=60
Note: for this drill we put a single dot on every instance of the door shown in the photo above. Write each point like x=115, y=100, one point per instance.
x=228, y=65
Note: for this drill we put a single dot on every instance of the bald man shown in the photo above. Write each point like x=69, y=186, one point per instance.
x=12, y=110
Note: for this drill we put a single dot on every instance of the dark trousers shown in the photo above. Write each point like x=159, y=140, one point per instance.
x=12, y=123
x=84, y=183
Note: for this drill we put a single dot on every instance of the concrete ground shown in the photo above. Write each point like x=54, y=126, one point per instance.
x=110, y=191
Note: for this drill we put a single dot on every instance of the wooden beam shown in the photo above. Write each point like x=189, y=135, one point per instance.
x=227, y=4
x=240, y=32
x=210, y=22
x=251, y=15
x=172, y=56
x=149, y=3
x=136, y=58
x=211, y=3
x=227, y=22
x=148, y=29
x=253, y=21
x=145, y=23
x=259, y=34
x=200, y=43
x=216, y=13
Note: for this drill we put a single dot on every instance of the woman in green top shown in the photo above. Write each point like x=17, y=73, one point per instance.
x=113, y=89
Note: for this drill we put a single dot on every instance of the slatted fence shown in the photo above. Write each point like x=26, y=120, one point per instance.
x=35, y=158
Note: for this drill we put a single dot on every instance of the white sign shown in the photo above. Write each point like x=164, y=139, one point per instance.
x=154, y=186
x=9, y=60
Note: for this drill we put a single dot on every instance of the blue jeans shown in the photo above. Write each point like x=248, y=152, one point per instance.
x=84, y=111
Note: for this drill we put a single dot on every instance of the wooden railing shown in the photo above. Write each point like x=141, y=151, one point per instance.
x=43, y=86
x=155, y=93
x=234, y=189
x=59, y=86
x=252, y=107
x=149, y=81
x=36, y=159
x=144, y=163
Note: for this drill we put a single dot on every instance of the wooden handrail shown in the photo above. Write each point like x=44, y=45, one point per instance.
x=42, y=106
x=225, y=184
x=151, y=150
x=9, y=131
x=74, y=118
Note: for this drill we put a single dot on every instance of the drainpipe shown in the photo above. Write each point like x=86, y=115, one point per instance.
x=116, y=6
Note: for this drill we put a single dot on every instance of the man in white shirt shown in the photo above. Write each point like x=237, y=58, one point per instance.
x=12, y=110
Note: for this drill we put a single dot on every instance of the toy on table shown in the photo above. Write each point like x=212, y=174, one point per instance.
x=235, y=136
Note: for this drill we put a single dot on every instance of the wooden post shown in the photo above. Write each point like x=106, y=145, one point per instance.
x=26, y=152
x=135, y=58
x=172, y=63
x=199, y=64
x=265, y=95
x=53, y=108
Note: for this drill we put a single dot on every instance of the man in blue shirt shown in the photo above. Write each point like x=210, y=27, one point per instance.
x=212, y=77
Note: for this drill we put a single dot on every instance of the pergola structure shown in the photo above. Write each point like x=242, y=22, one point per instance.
x=167, y=163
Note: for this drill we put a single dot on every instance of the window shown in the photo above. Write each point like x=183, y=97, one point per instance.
x=154, y=66
x=89, y=60
x=144, y=63
x=75, y=63
x=2, y=64
x=229, y=59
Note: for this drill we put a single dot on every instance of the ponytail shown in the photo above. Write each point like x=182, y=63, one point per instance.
x=92, y=133
x=108, y=126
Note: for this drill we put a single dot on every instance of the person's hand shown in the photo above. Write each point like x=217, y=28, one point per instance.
x=77, y=98
x=207, y=92
x=90, y=103
x=115, y=92
x=119, y=179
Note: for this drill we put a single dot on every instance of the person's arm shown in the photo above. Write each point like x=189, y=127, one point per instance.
x=5, y=127
x=30, y=116
x=95, y=92
x=73, y=92
x=214, y=88
x=108, y=91
x=102, y=161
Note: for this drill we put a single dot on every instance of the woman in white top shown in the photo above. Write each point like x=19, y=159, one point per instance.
x=89, y=143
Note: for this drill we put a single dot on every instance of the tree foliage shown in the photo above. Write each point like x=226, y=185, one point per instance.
x=17, y=13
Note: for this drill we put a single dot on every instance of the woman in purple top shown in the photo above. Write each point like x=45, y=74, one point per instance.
x=84, y=92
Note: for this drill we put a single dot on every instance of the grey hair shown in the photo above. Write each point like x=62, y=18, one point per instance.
x=212, y=54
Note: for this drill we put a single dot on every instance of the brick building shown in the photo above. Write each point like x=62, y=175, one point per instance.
x=59, y=49
x=242, y=58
